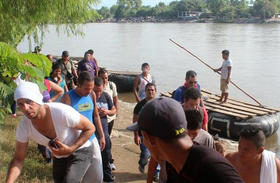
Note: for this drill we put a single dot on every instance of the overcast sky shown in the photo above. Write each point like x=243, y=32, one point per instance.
x=109, y=3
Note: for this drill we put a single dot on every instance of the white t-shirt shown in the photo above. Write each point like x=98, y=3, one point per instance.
x=64, y=117
x=224, y=72
x=111, y=89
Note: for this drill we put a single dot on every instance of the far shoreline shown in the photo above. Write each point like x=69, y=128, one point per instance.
x=252, y=20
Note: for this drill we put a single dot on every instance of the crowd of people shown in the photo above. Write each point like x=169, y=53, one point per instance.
x=73, y=119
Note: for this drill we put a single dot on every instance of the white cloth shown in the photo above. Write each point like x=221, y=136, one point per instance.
x=64, y=117
x=28, y=90
x=18, y=80
x=224, y=72
x=268, y=168
x=111, y=89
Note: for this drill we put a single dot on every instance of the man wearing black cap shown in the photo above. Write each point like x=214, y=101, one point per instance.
x=68, y=70
x=163, y=125
x=225, y=75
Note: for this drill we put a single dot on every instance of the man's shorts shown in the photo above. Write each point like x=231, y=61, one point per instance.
x=224, y=86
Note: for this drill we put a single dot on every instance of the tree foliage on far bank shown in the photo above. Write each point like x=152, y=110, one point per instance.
x=223, y=10
x=28, y=17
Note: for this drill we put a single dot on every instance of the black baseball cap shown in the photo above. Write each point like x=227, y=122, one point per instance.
x=65, y=53
x=161, y=117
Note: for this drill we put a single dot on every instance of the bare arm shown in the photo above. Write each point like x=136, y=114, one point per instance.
x=137, y=139
x=136, y=83
x=110, y=112
x=229, y=72
x=87, y=129
x=151, y=170
x=66, y=99
x=17, y=162
x=219, y=69
x=277, y=162
x=74, y=72
x=57, y=89
x=65, y=88
x=97, y=123
x=116, y=103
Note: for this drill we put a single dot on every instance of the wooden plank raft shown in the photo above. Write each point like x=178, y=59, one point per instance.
x=233, y=107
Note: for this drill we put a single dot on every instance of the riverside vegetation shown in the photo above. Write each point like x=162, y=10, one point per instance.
x=218, y=10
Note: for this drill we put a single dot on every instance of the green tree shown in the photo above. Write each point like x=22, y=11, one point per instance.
x=217, y=6
x=104, y=12
x=11, y=63
x=113, y=9
x=144, y=11
x=241, y=8
x=264, y=8
x=28, y=17
x=127, y=8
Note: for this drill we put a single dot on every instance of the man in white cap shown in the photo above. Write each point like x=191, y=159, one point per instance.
x=57, y=126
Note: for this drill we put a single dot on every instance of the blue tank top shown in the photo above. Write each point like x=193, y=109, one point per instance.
x=83, y=105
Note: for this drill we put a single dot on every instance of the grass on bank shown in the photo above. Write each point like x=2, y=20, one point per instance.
x=35, y=169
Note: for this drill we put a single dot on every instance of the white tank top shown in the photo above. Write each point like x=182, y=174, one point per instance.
x=142, y=84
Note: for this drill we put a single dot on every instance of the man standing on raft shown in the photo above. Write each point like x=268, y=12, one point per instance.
x=225, y=75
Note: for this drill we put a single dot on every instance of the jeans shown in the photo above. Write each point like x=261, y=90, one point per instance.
x=106, y=157
x=144, y=155
x=110, y=126
x=72, y=168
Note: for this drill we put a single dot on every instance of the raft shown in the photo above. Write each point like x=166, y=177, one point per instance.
x=228, y=119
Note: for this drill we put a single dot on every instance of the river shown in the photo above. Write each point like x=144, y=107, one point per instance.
x=254, y=50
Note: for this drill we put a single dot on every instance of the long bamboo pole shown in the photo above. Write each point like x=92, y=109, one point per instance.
x=217, y=72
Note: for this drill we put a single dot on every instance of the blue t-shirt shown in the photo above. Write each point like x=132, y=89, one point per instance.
x=178, y=93
x=104, y=101
x=82, y=104
x=61, y=84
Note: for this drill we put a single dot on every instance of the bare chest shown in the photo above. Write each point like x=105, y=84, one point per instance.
x=249, y=175
x=46, y=127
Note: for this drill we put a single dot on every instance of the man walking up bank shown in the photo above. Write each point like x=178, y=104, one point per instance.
x=54, y=125
x=83, y=100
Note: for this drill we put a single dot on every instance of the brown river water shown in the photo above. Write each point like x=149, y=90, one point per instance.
x=254, y=50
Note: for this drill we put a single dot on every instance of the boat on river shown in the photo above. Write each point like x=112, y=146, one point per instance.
x=228, y=119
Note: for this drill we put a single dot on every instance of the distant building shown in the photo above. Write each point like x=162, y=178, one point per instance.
x=277, y=15
x=187, y=15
